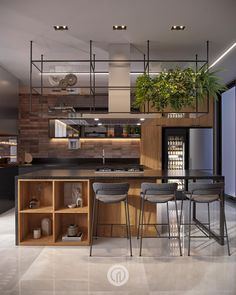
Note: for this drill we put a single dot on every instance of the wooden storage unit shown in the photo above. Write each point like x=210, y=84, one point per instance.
x=51, y=196
x=63, y=220
x=28, y=222
x=41, y=190
x=59, y=197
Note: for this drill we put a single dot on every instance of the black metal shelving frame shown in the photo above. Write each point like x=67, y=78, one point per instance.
x=92, y=75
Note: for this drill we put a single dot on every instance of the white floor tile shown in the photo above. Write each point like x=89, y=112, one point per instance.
x=70, y=270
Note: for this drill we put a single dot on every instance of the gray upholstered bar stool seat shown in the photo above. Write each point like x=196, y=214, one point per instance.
x=157, y=193
x=109, y=193
x=206, y=193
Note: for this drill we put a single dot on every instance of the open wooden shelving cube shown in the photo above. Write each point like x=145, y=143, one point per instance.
x=62, y=221
x=60, y=206
x=29, y=222
x=35, y=189
x=51, y=196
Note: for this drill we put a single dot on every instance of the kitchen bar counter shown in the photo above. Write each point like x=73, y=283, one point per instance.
x=92, y=174
x=52, y=181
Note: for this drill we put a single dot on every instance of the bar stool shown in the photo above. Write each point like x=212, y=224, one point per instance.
x=158, y=194
x=110, y=193
x=206, y=193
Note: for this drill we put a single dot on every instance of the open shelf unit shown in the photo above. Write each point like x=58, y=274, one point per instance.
x=51, y=194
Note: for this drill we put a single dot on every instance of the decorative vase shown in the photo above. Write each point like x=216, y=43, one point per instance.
x=46, y=226
x=34, y=203
x=72, y=230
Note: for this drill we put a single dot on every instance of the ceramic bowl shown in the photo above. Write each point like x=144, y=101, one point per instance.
x=72, y=206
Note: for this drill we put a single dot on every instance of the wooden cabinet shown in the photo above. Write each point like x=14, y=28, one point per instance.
x=51, y=196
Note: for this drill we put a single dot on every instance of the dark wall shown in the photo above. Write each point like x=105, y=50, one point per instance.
x=7, y=188
x=8, y=103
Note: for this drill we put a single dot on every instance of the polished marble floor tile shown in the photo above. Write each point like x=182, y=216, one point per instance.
x=70, y=271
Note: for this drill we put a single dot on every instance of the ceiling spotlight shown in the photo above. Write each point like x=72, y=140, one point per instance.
x=99, y=124
x=138, y=124
x=119, y=27
x=142, y=119
x=60, y=28
x=96, y=119
x=178, y=28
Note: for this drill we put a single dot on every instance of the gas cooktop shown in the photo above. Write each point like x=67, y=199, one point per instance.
x=135, y=169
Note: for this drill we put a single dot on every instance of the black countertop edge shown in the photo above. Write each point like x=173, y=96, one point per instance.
x=148, y=174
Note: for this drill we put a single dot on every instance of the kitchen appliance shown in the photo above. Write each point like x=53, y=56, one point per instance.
x=187, y=148
x=175, y=151
x=131, y=169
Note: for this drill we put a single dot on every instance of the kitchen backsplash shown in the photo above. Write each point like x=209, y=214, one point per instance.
x=33, y=137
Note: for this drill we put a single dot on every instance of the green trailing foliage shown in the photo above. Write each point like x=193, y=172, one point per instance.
x=208, y=83
x=177, y=88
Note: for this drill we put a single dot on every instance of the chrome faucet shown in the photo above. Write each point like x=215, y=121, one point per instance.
x=103, y=157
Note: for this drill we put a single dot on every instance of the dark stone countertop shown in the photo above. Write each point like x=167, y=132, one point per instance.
x=92, y=174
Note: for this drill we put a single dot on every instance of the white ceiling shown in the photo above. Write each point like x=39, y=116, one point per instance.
x=25, y=20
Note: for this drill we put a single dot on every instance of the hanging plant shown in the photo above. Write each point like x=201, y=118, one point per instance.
x=176, y=88
x=208, y=82
x=144, y=89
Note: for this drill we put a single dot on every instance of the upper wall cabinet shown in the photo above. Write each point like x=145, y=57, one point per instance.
x=68, y=128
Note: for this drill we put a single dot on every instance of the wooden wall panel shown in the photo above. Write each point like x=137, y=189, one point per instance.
x=151, y=141
x=151, y=144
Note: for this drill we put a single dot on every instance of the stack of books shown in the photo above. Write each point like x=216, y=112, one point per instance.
x=77, y=238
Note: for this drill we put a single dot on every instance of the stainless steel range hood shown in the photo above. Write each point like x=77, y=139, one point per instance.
x=119, y=75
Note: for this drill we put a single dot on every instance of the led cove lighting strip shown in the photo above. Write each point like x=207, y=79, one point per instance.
x=224, y=54
x=85, y=74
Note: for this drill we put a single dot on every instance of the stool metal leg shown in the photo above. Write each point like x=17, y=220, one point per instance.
x=128, y=219
x=181, y=211
x=178, y=226
x=189, y=222
x=93, y=222
x=141, y=236
x=168, y=218
x=226, y=230
x=139, y=218
x=209, y=219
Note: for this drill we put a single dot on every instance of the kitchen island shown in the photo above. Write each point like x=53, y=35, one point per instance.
x=48, y=187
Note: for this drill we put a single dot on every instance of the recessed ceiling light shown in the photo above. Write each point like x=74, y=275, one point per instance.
x=178, y=28
x=99, y=124
x=119, y=27
x=138, y=124
x=96, y=119
x=60, y=28
x=142, y=119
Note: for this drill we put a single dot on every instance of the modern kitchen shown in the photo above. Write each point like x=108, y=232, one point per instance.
x=117, y=148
